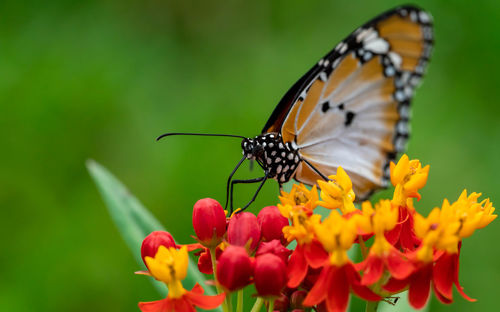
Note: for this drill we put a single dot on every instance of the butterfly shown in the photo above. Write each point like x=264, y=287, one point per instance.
x=351, y=109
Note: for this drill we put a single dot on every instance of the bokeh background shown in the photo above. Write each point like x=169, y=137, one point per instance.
x=101, y=79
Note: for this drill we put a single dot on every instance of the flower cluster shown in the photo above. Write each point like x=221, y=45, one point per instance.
x=401, y=249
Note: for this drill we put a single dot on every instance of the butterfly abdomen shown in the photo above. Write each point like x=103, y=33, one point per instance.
x=280, y=160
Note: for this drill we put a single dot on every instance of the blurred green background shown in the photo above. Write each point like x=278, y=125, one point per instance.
x=101, y=79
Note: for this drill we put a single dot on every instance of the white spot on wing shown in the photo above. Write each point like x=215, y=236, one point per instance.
x=395, y=59
x=424, y=17
x=379, y=46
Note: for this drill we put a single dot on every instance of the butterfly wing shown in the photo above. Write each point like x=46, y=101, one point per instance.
x=352, y=108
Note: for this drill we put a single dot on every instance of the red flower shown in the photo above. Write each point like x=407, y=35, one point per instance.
x=244, y=230
x=374, y=266
x=186, y=303
x=312, y=254
x=269, y=275
x=234, y=268
x=444, y=275
x=153, y=241
x=334, y=285
x=271, y=223
x=403, y=235
x=209, y=222
x=274, y=247
x=441, y=275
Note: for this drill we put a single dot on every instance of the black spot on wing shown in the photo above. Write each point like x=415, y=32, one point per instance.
x=325, y=107
x=349, y=117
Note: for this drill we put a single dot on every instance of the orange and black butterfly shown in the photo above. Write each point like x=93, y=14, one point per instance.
x=351, y=109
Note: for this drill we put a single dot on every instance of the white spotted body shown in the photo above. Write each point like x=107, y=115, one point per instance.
x=280, y=160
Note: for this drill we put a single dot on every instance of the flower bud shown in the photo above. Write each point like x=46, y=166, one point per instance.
x=153, y=241
x=274, y=247
x=269, y=275
x=281, y=304
x=205, y=260
x=209, y=222
x=234, y=268
x=271, y=223
x=244, y=228
x=297, y=298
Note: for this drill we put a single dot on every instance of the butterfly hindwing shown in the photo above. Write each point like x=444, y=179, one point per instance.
x=352, y=108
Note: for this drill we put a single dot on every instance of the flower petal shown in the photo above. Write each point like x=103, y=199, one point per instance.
x=338, y=292
x=420, y=285
x=455, y=277
x=315, y=254
x=163, y=305
x=297, y=267
x=442, y=276
x=395, y=285
x=182, y=305
x=373, y=270
x=202, y=301
x=440, y=297
x=319, y=291
x=355, y=281
x=398, y=266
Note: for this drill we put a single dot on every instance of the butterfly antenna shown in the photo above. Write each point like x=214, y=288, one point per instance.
x=199, y=134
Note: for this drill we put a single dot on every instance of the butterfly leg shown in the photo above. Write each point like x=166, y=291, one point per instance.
x=229, y=182
x=262, y=180
x=317, y=171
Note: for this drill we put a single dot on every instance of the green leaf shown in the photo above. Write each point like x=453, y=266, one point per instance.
x=134, y=221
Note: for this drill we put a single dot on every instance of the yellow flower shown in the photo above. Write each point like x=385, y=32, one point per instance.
x=445, y=227
x=300, y=196
x=336, y=234
x=408, y=177
x=170, y=267
x=302, y=223
x=337, y=193
x=378, y=220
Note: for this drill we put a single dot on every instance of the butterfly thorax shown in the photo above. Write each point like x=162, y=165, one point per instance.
x=279, y=160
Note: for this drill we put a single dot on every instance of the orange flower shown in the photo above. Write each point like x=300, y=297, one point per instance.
x=169, y=266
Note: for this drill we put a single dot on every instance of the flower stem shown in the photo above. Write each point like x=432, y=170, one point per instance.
x=371, y=306
x=271, y=305
x=362, y=245
x=214, y=267
x=226, y=305
x=257, y=305
x=239, y=304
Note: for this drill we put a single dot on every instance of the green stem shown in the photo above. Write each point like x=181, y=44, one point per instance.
x=271, y=305
x=239, y=304
x=227, y=302
x=362, y=245
x=229, y=299
x=214, y=268
x=371, y=306
x=257, y=305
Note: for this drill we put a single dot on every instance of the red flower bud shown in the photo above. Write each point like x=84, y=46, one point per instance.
x=297, y=298
x=243, y=228
x=153, y=241
x=269, y=275
x=274, y=247
x=271, y=223
x=209, y=222
x=234, y=268
x=281, y=304
x=205, y=260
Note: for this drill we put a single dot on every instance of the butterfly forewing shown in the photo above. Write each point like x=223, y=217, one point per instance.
x=352, y=108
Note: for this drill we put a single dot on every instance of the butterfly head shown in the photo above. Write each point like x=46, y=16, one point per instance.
x=251, y=148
